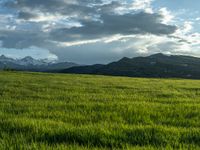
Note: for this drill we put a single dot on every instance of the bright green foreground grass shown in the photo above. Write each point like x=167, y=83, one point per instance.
x=49, y=111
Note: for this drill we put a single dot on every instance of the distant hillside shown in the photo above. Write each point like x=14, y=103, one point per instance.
x=158, y=65
x=30, y=64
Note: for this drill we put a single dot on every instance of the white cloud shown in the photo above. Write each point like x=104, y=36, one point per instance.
x=167, y=15
x=142, y=5
x=184, y=32
x=197, y=19
x=76, y=43
x=33, y=51
x=187, y=27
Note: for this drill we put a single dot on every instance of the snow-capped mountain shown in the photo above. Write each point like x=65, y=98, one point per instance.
x=31, y=64
x=30, y=61
x=5, y=59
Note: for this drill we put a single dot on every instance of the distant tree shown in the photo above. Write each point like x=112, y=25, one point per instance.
x=6, y=68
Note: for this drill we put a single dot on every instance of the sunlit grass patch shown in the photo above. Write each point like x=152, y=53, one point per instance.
x=53, y=111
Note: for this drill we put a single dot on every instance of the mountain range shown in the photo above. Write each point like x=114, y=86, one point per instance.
x=30, y=64
x=157, y=65
x=154, y=66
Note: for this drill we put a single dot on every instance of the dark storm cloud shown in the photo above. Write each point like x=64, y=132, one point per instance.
x=62, y=7
x=39, y=4
x=26, y=15
x=127, y=24
x=97, y=21
x=49, y=4
x=22, y=39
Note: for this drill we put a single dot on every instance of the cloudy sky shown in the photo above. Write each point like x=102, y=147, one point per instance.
x=98, y=31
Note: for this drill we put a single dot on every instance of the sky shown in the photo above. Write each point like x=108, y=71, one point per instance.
x=98, y=31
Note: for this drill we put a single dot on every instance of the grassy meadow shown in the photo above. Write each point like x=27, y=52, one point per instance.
x=62, y=111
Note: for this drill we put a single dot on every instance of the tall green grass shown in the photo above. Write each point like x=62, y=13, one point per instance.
x=54, y=111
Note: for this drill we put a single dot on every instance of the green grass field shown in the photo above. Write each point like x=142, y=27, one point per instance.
x=58, y=111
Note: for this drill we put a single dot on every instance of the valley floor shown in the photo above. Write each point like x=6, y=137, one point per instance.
x=58, y=111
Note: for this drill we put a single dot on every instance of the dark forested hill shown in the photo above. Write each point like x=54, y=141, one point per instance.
x=158, y=65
